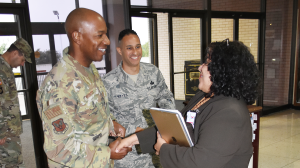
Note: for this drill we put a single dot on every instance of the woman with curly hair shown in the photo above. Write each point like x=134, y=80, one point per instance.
x=222, y=130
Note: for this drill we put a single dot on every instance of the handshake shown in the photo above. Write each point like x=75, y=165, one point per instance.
x=117, y=149
x=120, y=147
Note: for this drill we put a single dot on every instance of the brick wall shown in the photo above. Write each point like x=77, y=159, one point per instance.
x=221, y=29
x=236, y=5
x=248, y=34
x=277, y=52
x=178, y=4
x=186, y=46
x=163, y=46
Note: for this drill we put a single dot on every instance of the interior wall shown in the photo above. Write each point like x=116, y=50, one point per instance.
x=277, y=52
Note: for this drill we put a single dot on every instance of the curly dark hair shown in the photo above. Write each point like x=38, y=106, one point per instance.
x=233, y=71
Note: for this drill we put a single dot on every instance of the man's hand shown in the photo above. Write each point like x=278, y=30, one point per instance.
x=119, y=129
x=127, y=142
x=2, y=141
x=159, y=143
x=122, y=153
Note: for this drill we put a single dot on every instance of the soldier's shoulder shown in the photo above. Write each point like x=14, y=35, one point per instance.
x=110, y=78
x=149, y=68
x=57, y=74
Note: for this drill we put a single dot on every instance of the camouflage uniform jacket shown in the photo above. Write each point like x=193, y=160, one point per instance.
x=10, y=115
x=73, y=106
x=127, y=99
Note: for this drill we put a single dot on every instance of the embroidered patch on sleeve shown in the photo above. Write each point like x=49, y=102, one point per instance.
x=60, y=127
x=53, y=112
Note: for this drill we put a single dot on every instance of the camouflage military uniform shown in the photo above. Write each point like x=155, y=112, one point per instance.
x=127, y=99
x=73, y=105
x=10, y=118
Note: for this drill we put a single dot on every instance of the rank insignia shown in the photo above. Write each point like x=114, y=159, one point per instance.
x=60, y=127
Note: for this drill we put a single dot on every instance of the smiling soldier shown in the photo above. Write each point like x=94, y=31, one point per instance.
x=72, y=100
x=132, y=87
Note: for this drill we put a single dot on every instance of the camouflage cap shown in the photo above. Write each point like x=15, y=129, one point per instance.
x=24, y=47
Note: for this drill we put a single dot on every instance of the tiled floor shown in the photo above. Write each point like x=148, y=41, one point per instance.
x=279, y=141
x=279, y=144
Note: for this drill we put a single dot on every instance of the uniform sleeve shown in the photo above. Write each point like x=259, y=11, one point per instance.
x=165, y=97
x=63, y=137
x=11, y=121
x=219, y=138
x=110, y=99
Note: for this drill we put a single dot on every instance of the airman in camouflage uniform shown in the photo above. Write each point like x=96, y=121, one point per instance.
x=128, y=98
x=72, y=100
x=72, y=103
x=10, y=115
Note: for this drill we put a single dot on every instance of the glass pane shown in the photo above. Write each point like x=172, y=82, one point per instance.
x=172, y=4
x=102, y=72
x=163, y=46
x=42, y=53
x=235, y=5
x=95, y=5
x=19, y=83
x=138, y=2
x=7, y=18
x=61, y=42
x=44, y=11
x=248, y=34
x=279, y=16
x=142, y=28
x=221, y=29
x=186, y=52
x=10, y=1
x=21, y=98
x=5, y=42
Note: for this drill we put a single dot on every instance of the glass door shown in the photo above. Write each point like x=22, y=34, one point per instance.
x=186, y=49
x=145, y=25
x=9, y=32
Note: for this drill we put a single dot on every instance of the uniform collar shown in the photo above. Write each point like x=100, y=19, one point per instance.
x=123, y=77
x=78, y=68
x=4, y=61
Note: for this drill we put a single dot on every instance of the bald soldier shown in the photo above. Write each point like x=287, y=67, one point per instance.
x=72, y=100
x=10, y=115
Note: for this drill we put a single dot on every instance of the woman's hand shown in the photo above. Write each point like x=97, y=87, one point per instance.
x=159, y=143
x=127, y=142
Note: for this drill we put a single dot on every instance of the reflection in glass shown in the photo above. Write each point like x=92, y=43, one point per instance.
x=142, y=28
x=42, y=53
x=186, y=47
x=61, y=41
x=221, y=29
x=42, y=11
x=95, y=5
x=248, y=34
